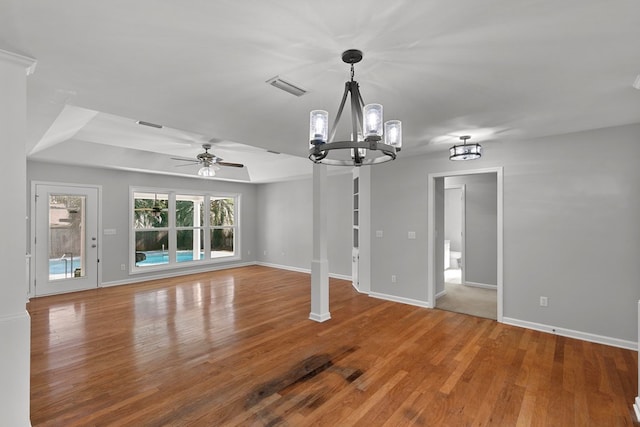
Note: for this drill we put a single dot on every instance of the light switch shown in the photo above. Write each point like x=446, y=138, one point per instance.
x=378, y=233
x=412, y=234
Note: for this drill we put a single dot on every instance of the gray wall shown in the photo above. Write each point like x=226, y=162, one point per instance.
x=285, y=223
x=481, y=243
x=115, y=209
x=571, y=229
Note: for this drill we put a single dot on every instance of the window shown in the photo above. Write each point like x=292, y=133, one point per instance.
x=189, y=228
x=222, y=226
x=175, y=229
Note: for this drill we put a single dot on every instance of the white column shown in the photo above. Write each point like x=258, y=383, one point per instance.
x=319, y=263
x=636, y=406
x=196, y=234
x=15, y=323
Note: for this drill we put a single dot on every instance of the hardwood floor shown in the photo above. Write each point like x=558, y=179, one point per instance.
x=235, y=347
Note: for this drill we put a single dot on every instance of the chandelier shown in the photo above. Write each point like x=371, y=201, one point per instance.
x=369, y=143
x=465, y=151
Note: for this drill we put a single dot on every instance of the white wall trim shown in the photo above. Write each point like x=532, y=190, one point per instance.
x=319, y=317
x=303, y=270
x=441, y=294
x=409, y=301
x=636, y=406
x=570, y=333
x=22, y=61
x=15, y=317
x=168, y=274
x=480, y=285
x=285, y=267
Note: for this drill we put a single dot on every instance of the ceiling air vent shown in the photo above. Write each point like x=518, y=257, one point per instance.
x=152, y=125
x=286, y=86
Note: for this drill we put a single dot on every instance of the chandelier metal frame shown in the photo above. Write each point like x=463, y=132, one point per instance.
x=319, y=149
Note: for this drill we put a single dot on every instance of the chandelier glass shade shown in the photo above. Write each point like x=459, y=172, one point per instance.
x=372, y=140
x=465, y=151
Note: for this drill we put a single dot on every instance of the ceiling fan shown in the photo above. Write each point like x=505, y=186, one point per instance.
x=155, y=210
x=209, y=162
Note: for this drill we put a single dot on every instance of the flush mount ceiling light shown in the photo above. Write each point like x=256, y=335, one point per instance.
x=366, y=146
x=465, y=151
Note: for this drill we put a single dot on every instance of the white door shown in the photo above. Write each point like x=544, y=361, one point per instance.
x=66, y=239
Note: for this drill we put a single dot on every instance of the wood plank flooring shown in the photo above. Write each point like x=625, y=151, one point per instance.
x=235, y=347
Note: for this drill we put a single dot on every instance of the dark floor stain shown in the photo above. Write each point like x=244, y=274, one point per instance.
x=307, y=369
x=354, y=376
x=304, y=371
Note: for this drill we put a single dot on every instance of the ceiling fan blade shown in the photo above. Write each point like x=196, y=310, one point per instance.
x=184, y=159
x=233, y=165
x=187, y=164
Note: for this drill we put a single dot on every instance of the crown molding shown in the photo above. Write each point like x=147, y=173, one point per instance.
x=28, y=63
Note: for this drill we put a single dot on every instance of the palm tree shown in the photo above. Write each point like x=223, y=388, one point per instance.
x=222, y=215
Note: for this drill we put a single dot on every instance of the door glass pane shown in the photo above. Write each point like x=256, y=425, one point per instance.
x=222, y=242
x=66, y=236
x=152, y=247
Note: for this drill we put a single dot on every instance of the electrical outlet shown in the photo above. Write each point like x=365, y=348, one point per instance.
x=544, y=301
x=393, y=278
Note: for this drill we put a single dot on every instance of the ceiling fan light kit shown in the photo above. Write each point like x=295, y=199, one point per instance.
x=465, y=151
x=207, y=171
x=209, y=161
x=371, y=141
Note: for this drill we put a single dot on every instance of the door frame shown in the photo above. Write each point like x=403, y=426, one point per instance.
x=431, y=232
x=32, y=229
x=463, y=224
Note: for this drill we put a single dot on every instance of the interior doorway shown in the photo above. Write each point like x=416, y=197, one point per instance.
x=465, y=258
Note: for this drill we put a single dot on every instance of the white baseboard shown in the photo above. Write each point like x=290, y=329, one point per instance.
x=570, y=333
x=480, y=285
x=418, y=303
x=320, y=317
x=301, y=270
x=441, y=294
x=636, y=407
x=169, y=274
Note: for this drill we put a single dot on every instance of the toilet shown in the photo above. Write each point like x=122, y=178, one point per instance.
x=454, y=259
x=451, y=258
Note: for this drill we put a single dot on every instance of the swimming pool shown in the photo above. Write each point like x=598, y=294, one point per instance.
x=162, y=257
x=59, y=266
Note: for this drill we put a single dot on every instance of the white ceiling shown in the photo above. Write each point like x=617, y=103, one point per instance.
x=496, y=70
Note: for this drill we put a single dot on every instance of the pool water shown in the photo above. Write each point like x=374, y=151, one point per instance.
x=162, y=257
x=57, y=266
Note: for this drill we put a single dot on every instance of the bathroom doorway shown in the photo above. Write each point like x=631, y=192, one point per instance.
x=465, y=242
